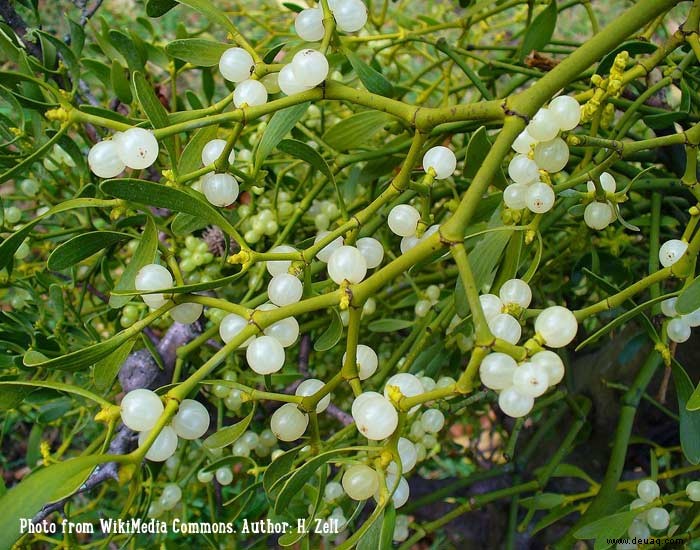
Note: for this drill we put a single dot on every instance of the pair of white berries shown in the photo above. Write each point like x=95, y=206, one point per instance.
x=598, y=215
x=527, y=191
x=679, y=327
x=349, y=263
x=219, y=189
x=349, y=15
x=289, y=423
x=140, y=410
x=157, y=277
x=307, y=70
x=361, y=482
x=237, y=65
x=135, y=148
x=520, y=384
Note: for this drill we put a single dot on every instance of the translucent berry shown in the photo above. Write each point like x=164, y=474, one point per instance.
x=236, y=65
x=442, y=160
x=403, y=220
x=288, y=423
x=557, y=326
x=249, y=92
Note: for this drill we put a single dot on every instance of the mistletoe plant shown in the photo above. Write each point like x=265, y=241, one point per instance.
x=285, y=265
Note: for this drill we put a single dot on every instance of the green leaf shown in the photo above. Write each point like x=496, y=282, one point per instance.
x=379, y=533
x=198, y=51
x=374, y=81
x=120, y=83
x=185, y=224
x=477, y=149
x=355, y=131
x=215, y=14
x=107, y=368
x=145, y=254
x=634, y=47
x=191, y=157
x=619, y=320
x=690, y=419
x=42, y=487
x=543, y=501
x=295, y=483
x=83, y=246
x=279, y=126
x=154, y=110
x=301, y=150
x=540, y=32
x=178, y=200
x=689, y=299
x=389, y=325
x=58, y=386
x=123, y=43
x=332, y=334
x=156, y=8
x=609, y=527
x=9, y=246
x=30, y=159
x=229, y=434
x=279, y=469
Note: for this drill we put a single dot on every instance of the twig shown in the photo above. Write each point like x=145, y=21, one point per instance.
x=17, y=24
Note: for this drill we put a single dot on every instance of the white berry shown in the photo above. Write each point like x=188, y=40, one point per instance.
x=668, y=307
x=598, y=215
x=309, y=24
x=284, y=289
x=407, y=454
x=360, y=482
x=523, y=143
x=288, y=82
x=265, y=355
x=552, y=155
x=220, y=189
x=531, y=379
x=191, y=420
x=186, y=313
x=137, y=148
x=376, y=417
x=506, y=327
x=104, y=160
x=491, y=304
x=250, y=93
x=540, y=198
x=648, y=490
x=212, y=151
x=285, y=331
x=350, y=15
x=432, y=420
x=552, y=363
x=288, y=423
x=515, y=196
x=324, y=254
x=607, y=182
x=236, y=65
x=372, y=250
x=403, y=220
x=557, y=325
x=163, y=447
x=366, y=360
x=230, y=326
x=544, y=126
x=515, y=291
x=496, y=371
x=310, y=67
x=224, y=475
x=693, y=491
x=278, y=267
x=311, y=386
x=567, y=112
x=407, y=243
x=678, y=330
x=672, y=251
x=153, y=277
x=658, y=518
x=347, y=263
x=522, y=169
x=170, y=496
x=515, y=404
x=442, y=160
x=141, y=409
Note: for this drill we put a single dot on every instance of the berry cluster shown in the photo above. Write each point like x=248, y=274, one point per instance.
x=540, y=148
x=598, y=215
x=135, y=148
x=555, y=327
x=140, y=410
x=679, y=327
x=156, y=277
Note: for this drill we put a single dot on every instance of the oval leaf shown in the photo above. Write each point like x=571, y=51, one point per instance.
x=229, y=434
x=83, y=246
